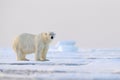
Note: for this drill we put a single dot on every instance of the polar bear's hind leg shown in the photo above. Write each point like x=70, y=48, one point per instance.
x=21, y=56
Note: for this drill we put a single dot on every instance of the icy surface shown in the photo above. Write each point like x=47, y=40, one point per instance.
x=87, y=64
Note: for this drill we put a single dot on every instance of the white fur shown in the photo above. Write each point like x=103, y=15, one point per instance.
x=28, y=43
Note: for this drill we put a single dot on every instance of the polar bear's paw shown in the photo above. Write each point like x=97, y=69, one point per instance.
x=44, y=60
x=26, y=59
x=23, y=59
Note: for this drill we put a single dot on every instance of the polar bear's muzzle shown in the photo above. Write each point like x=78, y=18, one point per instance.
x=52, y=34
x=52, y=37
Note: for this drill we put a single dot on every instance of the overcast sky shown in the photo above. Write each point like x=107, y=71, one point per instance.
x=91, y=23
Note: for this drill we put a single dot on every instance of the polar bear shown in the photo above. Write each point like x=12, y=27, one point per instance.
x=27, y=43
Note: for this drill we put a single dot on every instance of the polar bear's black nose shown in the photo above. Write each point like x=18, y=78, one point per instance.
x=52, y=37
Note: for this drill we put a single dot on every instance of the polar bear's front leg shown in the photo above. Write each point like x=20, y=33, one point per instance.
x=43, y=53
x=39, y=54
x=45, y=50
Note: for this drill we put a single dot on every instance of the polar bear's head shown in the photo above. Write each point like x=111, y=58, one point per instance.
x=48, y=36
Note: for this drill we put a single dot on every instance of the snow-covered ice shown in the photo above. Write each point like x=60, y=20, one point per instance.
x=86, y=64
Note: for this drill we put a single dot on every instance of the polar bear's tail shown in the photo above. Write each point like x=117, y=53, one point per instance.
x=15, y=44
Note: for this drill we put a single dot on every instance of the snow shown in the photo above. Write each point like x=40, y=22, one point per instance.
x=86, y=64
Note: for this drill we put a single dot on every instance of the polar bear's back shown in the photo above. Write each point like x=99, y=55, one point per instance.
x=25, y=41
x=26, y=37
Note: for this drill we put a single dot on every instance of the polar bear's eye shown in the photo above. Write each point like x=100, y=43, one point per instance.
x=52, y=33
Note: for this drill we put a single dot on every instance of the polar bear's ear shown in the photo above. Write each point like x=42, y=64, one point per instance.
x=46, y=33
